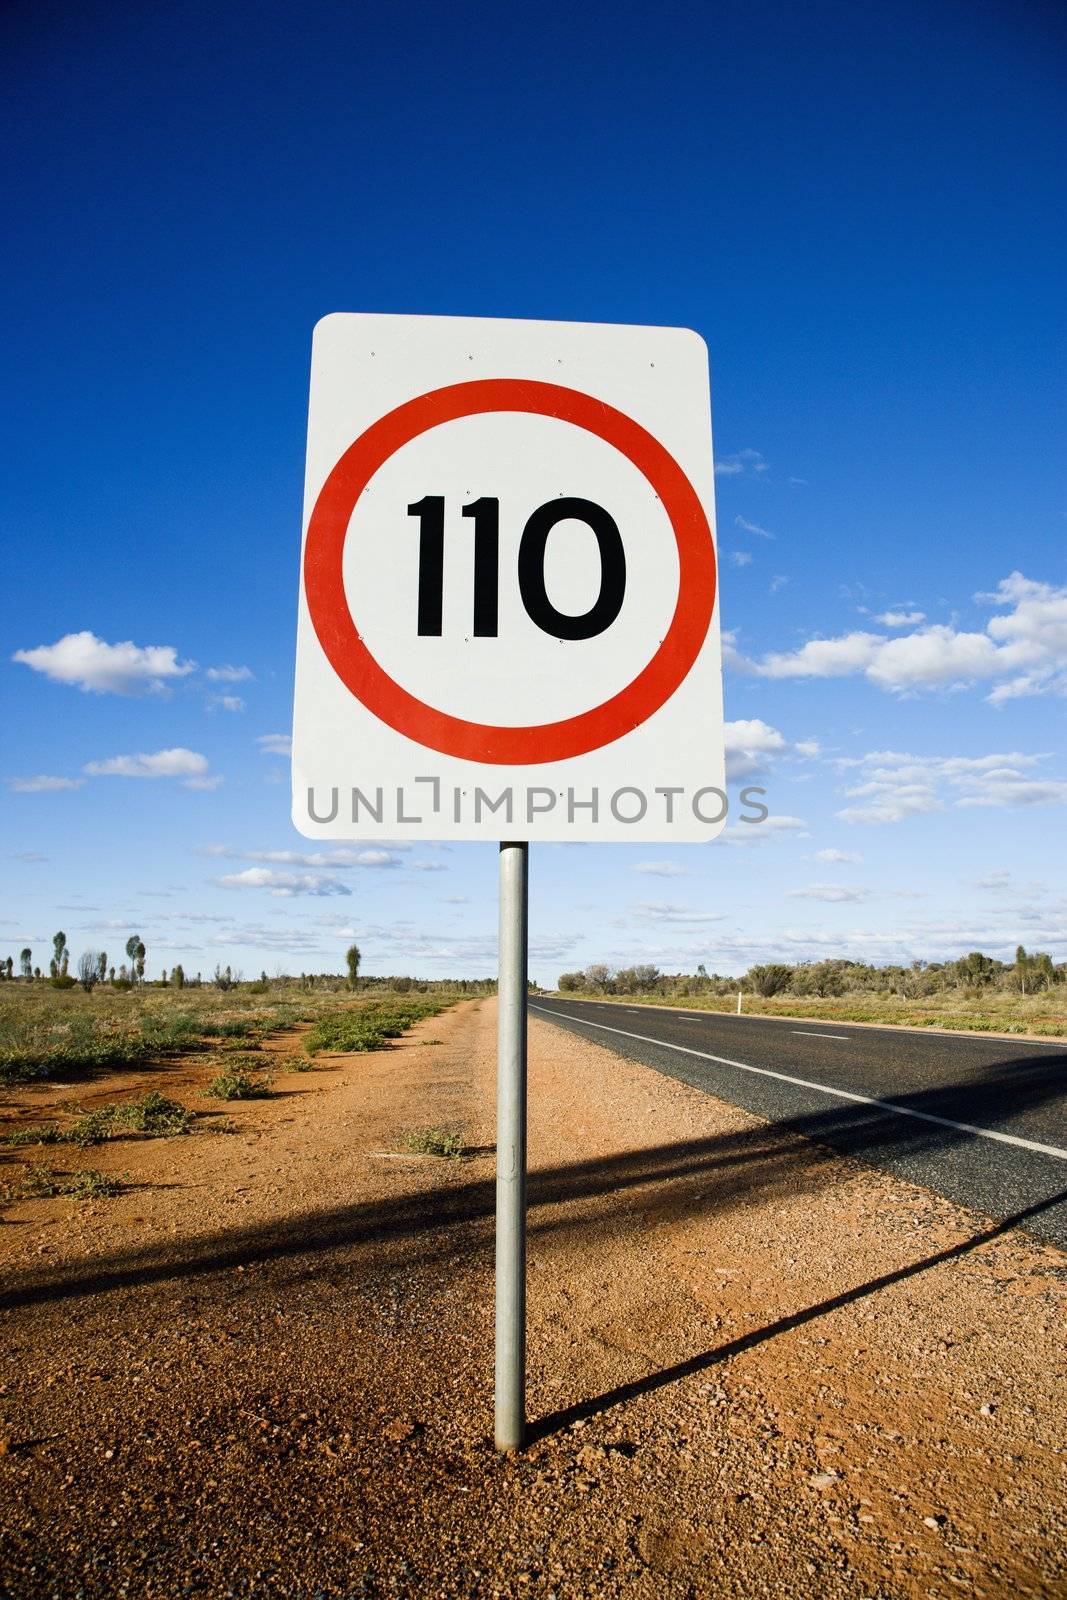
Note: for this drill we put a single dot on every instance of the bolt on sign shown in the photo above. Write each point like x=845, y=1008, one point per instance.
x=508, y=622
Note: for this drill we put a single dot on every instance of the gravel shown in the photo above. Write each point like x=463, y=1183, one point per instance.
x=755, y=1367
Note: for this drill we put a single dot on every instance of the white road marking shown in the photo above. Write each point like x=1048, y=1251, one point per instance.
x=809, y=1033
x=822, y=1088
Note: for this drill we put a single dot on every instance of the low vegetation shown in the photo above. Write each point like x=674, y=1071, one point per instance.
x=55, y=1031
x=443, y=1142
x=238, y=1084
x=43, y=1182
x=976, y=993
x=371, y=1025
x=153, y=1115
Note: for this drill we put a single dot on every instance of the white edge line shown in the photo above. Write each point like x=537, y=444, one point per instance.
x=809, y=1033
x=821, y=1088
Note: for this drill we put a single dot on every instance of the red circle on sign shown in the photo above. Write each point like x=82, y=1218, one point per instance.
x=475, y=741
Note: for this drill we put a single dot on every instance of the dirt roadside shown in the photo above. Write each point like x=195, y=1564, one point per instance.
x=756, y=1369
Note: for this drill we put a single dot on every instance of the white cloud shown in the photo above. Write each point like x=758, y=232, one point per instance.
x=429, y=866
x=228, y=702
x=661, y=869
x=283, y=884
x=664, y=911
x=188, y=765
x=275, y=744
x=749, y=745
x=90, y=664
x=901, y=619
x=1026, y=647
x=228, y=674
x=342, y=856
x=731, y=655
x=831, y=893
x=839, y=855
x=42, y=784
x=736, y=465
x=750, y=833
x=752, y=527
x=779, y=581
x=30, y=855
x=894, y=784
x=740, y=558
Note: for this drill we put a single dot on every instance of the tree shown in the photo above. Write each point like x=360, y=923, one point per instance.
x=140, y=955
x=89, y=969
x=101, y=966
x=9, y=966
x=131, y=952
x=57, y=967
x=770, y=979
x=111, y=975
x=352, y=958
x=598, y=977
x=1022, y=968
x=976, y=968
x=26, y=962
x=177, y=976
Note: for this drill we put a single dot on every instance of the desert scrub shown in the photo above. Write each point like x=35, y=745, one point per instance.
x=43, y=1183
x=236, y=1084
x=443, y=1142
x=47, y=1133
x=153, y=1114
x=66, y=1033
x=368, y=1026
x=1042, y=1014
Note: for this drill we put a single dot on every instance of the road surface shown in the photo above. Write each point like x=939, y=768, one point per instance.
x=981, y=1121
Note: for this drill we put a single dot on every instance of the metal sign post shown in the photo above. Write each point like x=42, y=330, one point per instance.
x=510, y=1396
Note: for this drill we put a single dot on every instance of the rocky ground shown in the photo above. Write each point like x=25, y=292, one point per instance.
x=755, y=1369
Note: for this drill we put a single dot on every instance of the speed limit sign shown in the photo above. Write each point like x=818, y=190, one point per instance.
x=508, y=622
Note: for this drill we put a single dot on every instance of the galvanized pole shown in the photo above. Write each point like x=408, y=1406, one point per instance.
x=510, y=1420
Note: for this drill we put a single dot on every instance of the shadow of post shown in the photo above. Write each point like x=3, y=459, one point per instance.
x=584, y=1409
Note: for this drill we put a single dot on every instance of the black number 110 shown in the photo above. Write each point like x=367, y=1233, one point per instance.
x=485, y=513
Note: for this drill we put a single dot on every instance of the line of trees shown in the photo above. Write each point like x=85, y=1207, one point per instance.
x=972, y=975
x=92, y=966
x=92, y=970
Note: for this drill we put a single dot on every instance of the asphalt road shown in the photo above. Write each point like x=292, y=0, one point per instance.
x=981, y=1121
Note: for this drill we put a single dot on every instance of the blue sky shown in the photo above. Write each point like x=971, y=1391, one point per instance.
x=859, y=208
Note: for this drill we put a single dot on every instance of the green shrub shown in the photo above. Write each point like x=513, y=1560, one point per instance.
x=47, y=1134
x=153, y=1114
x=44, y=1182
x=237, y=1085
x=367, y=1027
x=444, y=1142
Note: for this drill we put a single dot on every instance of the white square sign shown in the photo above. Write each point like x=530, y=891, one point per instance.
x=509, y=625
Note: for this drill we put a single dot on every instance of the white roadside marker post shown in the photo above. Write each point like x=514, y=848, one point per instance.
x=510, y=1395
